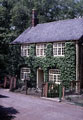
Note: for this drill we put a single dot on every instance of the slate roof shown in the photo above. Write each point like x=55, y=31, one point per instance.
x=63, y=30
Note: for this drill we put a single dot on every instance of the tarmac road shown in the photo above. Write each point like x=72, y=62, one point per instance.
x=15, y=106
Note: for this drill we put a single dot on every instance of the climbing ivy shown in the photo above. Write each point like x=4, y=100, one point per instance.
x=70, y=62
x=66, y=64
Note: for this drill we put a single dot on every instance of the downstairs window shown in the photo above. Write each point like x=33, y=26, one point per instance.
x=54, y=75
x=25, y=73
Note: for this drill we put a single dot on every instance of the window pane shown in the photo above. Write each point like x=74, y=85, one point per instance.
x=59, y=51
x=63, y=44
x=44, y=51
x=51, y=71
x=58, y=78
x=41, y=51
x=50, y=77
x=55, y=51
x=55, y=78
x=23, y=46
x=42, y=46
x=59, y=44
x=63, y=51
x=25, y=52
x=37, y=51
x=37, y=46
x=57, y=71
x=55, y=45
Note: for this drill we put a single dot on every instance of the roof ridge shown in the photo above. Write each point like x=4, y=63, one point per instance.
x=60, y=21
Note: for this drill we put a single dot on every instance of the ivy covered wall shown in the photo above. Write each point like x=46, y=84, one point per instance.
x=66, y=64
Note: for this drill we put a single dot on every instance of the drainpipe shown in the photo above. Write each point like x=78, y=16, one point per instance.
x=77, y=66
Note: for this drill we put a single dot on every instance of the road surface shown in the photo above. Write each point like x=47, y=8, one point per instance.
x=15, y=106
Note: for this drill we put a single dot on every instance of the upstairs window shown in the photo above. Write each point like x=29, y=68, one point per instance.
x=54, y=75
x=58, y=49
x=40, y=50
x=25, y=50
x=25, y=73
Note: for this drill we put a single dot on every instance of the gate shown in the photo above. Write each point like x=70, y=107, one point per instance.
x=52, y=90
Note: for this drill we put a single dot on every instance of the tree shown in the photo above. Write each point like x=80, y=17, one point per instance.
x=19, y=17
x=5, y=35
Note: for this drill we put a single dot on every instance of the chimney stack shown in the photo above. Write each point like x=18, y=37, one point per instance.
x=34, y=18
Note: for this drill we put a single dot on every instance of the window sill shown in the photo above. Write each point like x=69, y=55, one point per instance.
x=58, y=55
x=24, y=56
x=41, y=56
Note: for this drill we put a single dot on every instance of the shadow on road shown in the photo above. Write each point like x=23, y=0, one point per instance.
x=7, y=113
x=3, y=96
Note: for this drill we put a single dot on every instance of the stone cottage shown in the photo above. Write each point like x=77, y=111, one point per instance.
x=53, y=51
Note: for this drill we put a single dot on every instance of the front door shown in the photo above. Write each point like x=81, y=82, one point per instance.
x=40, y=78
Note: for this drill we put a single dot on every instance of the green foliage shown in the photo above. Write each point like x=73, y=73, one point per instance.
x=7, y=34
x=66, y=64
x=13, y=63
x=49, y=50
x=53, y=90
x=32, y=50
x=19, y=17
x=70, y=62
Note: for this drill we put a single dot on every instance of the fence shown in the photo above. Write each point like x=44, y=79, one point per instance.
x=53, y=90
x=9, y=82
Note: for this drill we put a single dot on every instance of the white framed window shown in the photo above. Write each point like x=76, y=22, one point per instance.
x=25, y=72
x=58, y=49
x=54, y=75
x=25, y=50
x=40, y=50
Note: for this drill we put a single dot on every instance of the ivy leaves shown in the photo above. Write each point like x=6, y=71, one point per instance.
x=65, y=64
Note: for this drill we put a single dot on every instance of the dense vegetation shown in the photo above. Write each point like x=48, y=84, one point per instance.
x=65, y=64
x=15, y=17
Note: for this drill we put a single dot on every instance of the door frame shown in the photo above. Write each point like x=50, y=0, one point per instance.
x=37, y=80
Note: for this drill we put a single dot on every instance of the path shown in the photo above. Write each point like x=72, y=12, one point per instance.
x=15, y=106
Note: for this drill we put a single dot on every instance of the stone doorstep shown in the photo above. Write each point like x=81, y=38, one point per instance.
x=52, y=99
